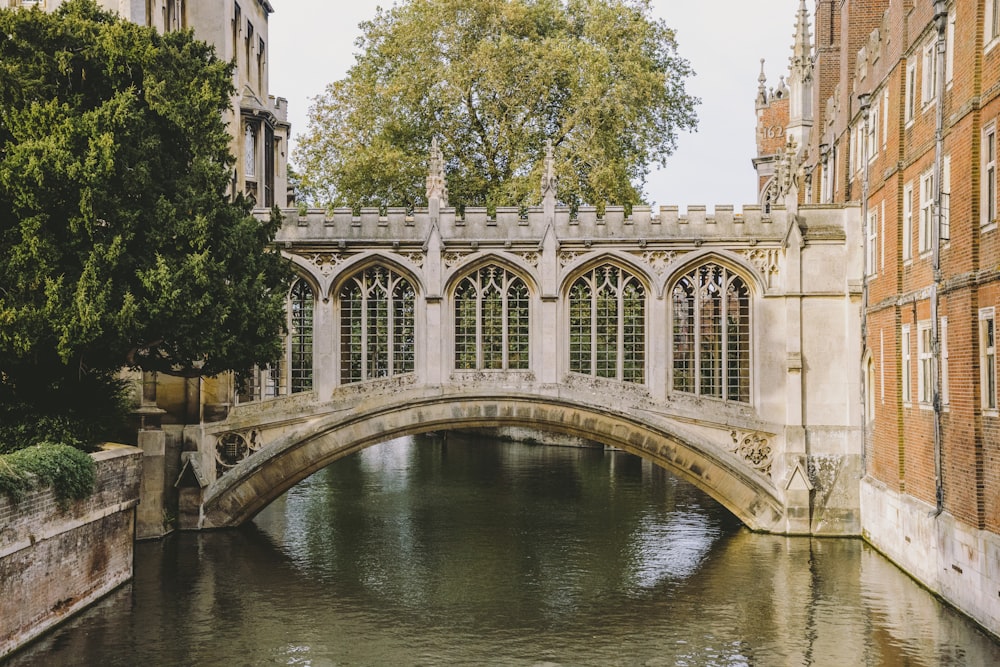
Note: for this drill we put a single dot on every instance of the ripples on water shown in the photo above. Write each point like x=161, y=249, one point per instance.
x=469, y=552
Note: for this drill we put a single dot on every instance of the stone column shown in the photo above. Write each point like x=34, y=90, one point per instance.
x=150, y=522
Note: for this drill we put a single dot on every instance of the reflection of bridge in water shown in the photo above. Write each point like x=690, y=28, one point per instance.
x=700, y=342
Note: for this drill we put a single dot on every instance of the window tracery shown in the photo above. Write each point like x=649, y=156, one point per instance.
x=300, y=336
x=607, y=325
x=376, y=325
x=491, y=321
x=711, y=334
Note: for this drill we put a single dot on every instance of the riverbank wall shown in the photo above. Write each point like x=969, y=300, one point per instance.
x=957, y=562
x=55, y=561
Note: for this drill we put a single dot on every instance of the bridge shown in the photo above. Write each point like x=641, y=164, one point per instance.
x=699, y=341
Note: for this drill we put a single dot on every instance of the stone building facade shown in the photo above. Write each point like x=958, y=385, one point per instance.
x=258, y=121
x=905, y=101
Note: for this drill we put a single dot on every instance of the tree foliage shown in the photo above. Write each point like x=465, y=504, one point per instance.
x=494, y=80
x=119, y=244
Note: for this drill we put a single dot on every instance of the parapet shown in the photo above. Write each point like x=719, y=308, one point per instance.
x=513, y=224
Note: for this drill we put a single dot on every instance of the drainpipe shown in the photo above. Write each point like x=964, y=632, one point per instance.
x=864, y=103
x=941, y=23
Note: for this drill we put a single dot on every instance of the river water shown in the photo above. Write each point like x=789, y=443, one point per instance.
x=468, y=551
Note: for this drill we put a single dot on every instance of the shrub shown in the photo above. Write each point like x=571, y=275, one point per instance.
x=69, y=471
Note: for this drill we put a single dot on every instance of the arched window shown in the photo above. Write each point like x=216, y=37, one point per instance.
x=300, y=336
x=491, y=321
x=376, y=325
x=711, y=334
x=250, y=151
x=607, y=336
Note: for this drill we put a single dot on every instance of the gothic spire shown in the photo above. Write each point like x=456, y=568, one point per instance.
x=802, y=60
x=436, y=186
x=761, y=87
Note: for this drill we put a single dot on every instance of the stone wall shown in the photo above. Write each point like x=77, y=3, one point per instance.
x=54, y=562
x=955, y=561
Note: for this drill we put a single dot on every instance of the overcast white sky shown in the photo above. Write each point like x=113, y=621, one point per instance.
x=312, y=44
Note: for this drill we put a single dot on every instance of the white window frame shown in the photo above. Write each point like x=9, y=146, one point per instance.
x=874, y=121
x=988, y=186
x=905, y=370
x=987, y=360
x=928, y=70
x=908, y=223
x=925, y=364
x=991, y=24
x=926, y=232
x=945, y=230
x=910, y=100
x=871, y=244
x=885, y=116
x=945, y=396
x=881, y=365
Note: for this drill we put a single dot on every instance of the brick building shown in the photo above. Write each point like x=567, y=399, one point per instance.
x=899, y=105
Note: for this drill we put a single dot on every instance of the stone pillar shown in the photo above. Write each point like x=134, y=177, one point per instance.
x=150, y=519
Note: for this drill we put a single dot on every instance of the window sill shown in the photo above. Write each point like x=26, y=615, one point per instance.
x=991, y=412
x=988, y=227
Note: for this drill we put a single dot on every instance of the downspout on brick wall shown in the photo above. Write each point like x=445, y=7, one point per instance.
x=941, y=23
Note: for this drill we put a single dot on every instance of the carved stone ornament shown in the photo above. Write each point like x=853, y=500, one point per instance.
x=233, y=447
x=754, y=448
x=451, y=259
x=530, y=258
x=325, y=262
x=415, y=258
x=766, y=261
x=567, y=257
x=658, y=260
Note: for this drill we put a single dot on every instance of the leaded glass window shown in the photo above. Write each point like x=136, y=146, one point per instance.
x=491, y=321
x=376, y=325
x=711, y=334
x=607, y=330
x=300, y=336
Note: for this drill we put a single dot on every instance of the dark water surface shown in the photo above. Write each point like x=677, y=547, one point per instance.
x=474, y=552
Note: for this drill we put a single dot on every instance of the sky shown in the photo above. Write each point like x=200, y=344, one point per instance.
x=312, y=45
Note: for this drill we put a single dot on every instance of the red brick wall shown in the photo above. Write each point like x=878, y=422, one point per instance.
x=902, y=445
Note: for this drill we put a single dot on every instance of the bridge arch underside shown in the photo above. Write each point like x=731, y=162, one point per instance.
x=253, y=484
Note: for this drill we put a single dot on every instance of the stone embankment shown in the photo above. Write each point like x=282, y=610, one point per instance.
x=55, y=561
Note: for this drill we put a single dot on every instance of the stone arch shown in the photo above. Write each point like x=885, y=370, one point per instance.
x=304, y=269
x=258, y=480
x=730, y=260
x=510, y=262
x=581, y=265
x=308, y=279
x=365, y=260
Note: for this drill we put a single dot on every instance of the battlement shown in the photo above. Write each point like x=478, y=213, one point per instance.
x=512, y=224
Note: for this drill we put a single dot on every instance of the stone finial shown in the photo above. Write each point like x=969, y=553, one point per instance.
x=437, y=188
x=802, y=61
x=549, y=175
x=761, y=87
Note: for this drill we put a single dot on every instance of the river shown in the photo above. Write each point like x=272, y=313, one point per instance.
x=452, y=550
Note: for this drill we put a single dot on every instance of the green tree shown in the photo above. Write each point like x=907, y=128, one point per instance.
x=493, y=81
x=119, y=245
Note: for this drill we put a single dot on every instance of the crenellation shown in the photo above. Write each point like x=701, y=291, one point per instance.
x=512, y=223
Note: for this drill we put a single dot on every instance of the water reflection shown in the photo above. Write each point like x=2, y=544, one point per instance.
x=464, y=551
